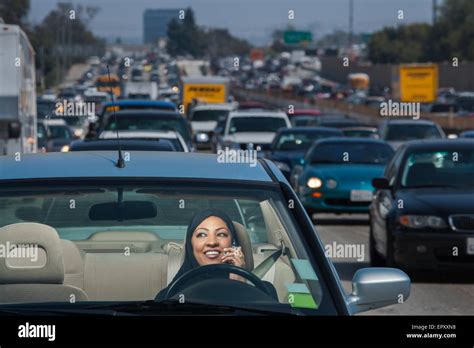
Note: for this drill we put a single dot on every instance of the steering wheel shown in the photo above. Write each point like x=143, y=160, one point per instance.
x=218, y=269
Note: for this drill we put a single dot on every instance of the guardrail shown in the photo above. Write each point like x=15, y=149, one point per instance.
x=450, y=123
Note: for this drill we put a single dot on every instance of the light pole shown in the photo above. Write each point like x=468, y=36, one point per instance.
x=435, y=11
x=351, y=25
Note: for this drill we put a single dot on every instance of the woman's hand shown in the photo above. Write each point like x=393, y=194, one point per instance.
x=234, y=256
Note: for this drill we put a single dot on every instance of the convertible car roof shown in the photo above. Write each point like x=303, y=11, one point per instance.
x=142, y=164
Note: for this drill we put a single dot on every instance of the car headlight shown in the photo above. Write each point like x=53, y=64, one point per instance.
x=314, y=183
x=422, y=221
x=65, y=148
x=282, y=166
x=202, y=137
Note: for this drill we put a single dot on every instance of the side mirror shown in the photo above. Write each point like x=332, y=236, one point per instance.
x=378, y=287
x=380, y=183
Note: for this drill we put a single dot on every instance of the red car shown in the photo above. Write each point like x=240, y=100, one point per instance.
x=305, y=112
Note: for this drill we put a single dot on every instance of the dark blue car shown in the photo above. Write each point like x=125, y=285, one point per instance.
x=290, y=145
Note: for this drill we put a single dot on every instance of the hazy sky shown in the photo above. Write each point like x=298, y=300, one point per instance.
x=250, y=19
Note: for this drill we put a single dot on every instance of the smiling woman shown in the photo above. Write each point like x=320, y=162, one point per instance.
x=211, y=239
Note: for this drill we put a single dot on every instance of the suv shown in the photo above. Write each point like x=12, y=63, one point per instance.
x=395, y=132
x=252, y=130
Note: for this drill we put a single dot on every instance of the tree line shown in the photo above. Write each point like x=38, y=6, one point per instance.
x=60, y=40
x=185, y=37
x=451, y=36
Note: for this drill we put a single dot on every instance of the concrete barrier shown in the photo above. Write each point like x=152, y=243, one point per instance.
x=451, y=123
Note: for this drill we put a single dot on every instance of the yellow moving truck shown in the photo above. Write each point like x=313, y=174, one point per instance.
x=204, y=89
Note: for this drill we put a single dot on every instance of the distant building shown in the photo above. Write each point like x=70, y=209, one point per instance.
x=155, y=23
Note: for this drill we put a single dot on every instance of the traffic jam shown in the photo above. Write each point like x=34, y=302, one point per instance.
x=196, y=170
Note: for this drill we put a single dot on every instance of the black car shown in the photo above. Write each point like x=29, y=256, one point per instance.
x=125, y=144
x=290, y=145
x=159, y=120
x=422, y=217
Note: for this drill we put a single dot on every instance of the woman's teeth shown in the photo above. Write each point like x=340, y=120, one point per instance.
x=212, y=254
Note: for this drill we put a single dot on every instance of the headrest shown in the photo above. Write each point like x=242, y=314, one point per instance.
x=246, y=244
x=30, y=253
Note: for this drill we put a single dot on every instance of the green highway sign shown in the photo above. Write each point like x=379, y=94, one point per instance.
x=296, y=37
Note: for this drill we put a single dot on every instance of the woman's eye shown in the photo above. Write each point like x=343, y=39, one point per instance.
x=200, y=234
x=223, y=234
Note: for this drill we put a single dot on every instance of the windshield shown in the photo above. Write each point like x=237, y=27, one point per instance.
x=256, y=124
x=351, y=153
x=136, y=231
x=45, y=108
x=209, y=115
x=74, y=120
x=304, y=121
x=148, y=123
x=439, y=168
x=300, y=141
x=60, y=132
x=359, y=133
x=108, y=110
x=401, y=132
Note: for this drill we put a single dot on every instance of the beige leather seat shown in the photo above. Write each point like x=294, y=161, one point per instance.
x=39, y=275
x=73, y=264
x=281, y=273
x=115, y=275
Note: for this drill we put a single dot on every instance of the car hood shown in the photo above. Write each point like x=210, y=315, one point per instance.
x=291, y=158
x=206, y=126
x=360, y=173
x=444, y=201
x=252, y=137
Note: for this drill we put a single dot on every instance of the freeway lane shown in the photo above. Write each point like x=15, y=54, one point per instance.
x=430, y=295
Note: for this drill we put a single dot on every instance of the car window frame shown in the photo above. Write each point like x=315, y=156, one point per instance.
x=328, y=303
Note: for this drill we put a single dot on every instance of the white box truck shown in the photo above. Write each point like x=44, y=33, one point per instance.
x=141, y=90
x=17, y=92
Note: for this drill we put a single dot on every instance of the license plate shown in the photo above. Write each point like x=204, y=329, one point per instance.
x=361, y=195
x=470, y=246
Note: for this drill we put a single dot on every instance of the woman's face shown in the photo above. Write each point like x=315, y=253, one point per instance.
x=209, y=240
